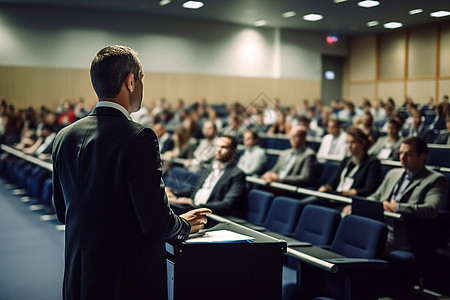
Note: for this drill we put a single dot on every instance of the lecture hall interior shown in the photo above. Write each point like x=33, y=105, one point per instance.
x=376, y=67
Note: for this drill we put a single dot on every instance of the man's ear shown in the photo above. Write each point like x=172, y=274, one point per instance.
x=129, y=82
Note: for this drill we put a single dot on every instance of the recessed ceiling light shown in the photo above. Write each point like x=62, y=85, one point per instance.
x=289, y=14
x=368, y=3
x=415, y=11
x=192, y=4
x=440, y=14
x=392, y=25
x=260, y=23
x=339, y=1
x=372, y=23
x=164, y=2
x=312, y=17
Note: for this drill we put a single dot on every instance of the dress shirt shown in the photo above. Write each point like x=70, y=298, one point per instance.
x=401, y=185
x=116, y=106
x=47, y=141
x=252, y=160
x=202, y=195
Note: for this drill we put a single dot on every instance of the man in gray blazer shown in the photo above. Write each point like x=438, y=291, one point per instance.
x=107, y=190
x=295, y=165
x=414, y=191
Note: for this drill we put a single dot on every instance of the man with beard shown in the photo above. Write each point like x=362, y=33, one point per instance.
x=221, y=187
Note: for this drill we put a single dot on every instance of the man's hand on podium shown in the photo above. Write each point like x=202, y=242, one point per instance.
x=197, y=218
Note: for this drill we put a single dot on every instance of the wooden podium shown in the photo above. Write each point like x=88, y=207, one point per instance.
x=229, y=270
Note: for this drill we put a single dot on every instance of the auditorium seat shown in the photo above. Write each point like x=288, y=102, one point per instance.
x=283, y=215
x=438, y=157
x=258, y=203
x=361, y=241
x=180, y=179
x=317, y=225
x=323, y=171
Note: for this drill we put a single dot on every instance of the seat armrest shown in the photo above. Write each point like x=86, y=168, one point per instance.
x=359, y=263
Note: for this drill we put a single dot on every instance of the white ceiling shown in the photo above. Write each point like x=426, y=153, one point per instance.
x=345, y=18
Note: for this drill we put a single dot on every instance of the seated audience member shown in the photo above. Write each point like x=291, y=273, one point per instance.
x=368, y=127
x=311, y=134
x=236, y=127
x=164, y=139
x=281, y=125
x=44, y=143
x=254, y=158
x=184, y=145
x=387, y=147
x=414, y=191
x=360, y=173
x=212, y=116
x=220, y=187
x=429, y=106
x=418, y=128
x=294, y=166
x=441, y=112
x=333, y=144
x=67, y=115
x=204, y=153
x=444, y=138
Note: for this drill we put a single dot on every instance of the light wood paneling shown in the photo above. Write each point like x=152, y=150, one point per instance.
x=363, y=58
x=358, y=92
x=393, y=89
x=392, y=55
x=445, y=50
x=420, y=90
x=24, y=86
x=444, y=88
x=422, y=52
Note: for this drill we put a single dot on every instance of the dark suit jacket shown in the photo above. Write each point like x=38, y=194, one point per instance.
x=109, y=193
x=419, y=201
x=366, y=179
x=228, y=198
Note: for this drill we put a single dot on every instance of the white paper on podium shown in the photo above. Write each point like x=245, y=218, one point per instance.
x=218, y=236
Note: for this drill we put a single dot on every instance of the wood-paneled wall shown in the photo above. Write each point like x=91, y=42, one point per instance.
x=25, y=86
x=405, y=63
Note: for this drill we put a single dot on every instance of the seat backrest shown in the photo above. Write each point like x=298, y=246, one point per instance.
x=360, y=237
x=324, y=170
x=283, y=215
x=271, y=161
x=317, y=225
x=258, y=203
x=180, y=179
x=438, y=157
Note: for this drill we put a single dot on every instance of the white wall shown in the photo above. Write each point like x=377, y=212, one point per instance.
x=45, y=37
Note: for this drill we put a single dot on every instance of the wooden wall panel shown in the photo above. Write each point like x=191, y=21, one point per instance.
x=392, y=55
x=363, y=58
x=420, y=90
x=24, y=86
x=393, y=89
x=422, y=52
x=445, y=50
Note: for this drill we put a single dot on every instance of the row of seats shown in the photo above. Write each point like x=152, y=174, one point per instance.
x=352, y=237
x=36, y=181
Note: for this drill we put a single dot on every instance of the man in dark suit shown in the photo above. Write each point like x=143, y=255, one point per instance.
x=414, y=191
x=220, y=187
x=294, y=166
x=108, y=192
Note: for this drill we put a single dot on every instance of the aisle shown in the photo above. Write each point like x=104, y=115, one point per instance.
x=31, y=252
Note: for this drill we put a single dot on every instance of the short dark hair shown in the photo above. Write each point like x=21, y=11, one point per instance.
x=419, y=144
x=395, y=123
x=234, y=141
x=254, y=134
x=110, y=67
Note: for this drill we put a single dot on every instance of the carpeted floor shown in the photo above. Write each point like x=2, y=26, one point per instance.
x=31, y=252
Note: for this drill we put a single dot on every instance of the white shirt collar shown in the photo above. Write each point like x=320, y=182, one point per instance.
x=116, y=106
